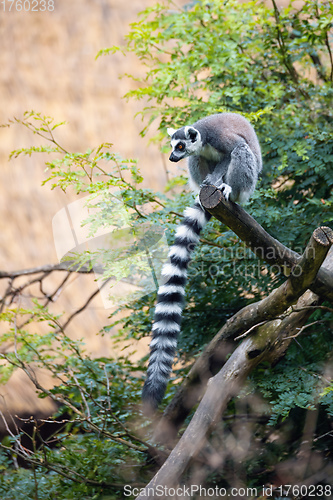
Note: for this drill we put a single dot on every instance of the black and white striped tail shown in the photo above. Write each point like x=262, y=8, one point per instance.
x=169, y=306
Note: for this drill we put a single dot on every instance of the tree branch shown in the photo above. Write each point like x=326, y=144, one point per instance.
x=261, y=243
x=63, y=266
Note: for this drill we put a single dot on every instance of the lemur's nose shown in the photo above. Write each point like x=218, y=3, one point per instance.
x=173, y=157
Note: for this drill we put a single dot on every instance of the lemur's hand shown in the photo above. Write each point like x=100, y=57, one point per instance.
x=226, y=190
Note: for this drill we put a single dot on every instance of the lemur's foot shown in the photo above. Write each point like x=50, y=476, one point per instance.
x=222, y=186
x=208, y=181
x=226, y=190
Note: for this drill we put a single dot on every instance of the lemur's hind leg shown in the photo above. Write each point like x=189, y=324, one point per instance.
x=237, y=181
x=241, y=175
x=217, y=179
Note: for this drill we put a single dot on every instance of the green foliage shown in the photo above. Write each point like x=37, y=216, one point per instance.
x=94, y=446
x=299, y=380
x=276, y=68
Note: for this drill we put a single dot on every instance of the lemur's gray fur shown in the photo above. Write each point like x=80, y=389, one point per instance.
x=224, y=151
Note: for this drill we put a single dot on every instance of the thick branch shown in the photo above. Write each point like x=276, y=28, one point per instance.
x=266, y=344
x=261, y=243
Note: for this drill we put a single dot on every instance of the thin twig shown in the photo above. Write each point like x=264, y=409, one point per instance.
x=82, y=308
x=82, y=394
x=307, y=308
x=301, y=330
x=251, y=329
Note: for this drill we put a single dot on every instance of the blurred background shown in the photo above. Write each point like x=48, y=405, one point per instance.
x=48, y=64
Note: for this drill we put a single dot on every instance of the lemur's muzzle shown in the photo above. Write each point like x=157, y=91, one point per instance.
x=173, y=157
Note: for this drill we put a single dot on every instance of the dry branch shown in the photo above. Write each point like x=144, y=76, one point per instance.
x=48, y=268
x=265, y=344
x=261, y=243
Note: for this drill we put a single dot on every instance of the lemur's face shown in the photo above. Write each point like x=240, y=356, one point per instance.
x=185, y=141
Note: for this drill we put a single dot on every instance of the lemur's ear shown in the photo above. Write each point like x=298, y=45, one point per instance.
x=171, y=131
x=191, y=133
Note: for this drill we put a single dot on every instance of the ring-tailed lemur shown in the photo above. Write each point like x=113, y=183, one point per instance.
x=223, y=151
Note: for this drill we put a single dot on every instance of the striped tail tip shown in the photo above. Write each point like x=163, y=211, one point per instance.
x=152, y=395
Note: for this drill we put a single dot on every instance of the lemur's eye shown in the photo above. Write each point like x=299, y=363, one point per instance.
x=180, y=146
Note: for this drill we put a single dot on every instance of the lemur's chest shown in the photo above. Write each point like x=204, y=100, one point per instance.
x=209, y=153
